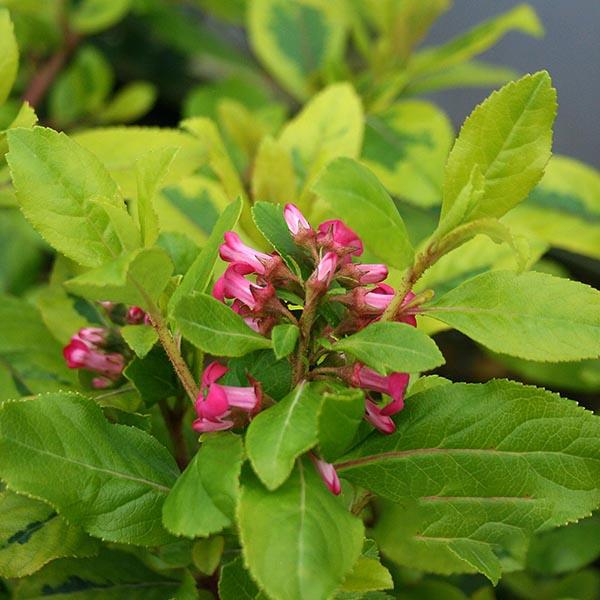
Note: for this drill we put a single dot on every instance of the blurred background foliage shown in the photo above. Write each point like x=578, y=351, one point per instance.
x=241, y=69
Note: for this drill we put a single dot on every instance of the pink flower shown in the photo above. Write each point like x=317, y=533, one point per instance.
x=82, y=354
x=326, y=268
x=135, y=316
x=339, y=238
x=234, y=285
x=236, y=252
x=92, y=336
x=295, y=219
x=408, y=318
x=394, y=385
x=379, y=298
x=215, y=401
x=365, y=273
x=374, y=415
x=328, y=474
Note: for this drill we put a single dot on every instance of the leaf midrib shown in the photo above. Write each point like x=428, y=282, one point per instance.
x=119, y=474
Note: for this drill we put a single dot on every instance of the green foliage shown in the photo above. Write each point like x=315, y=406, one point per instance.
x=531, y=315
x=113, y=478
x=303, y=529
x=284, y=339
x=32, y=534
x=9, y=53
x=468, y=493
x=352, y=190
x=507, y=139
x=213, y=327
x=203, y=500
x=279, y=435
x=392, y=347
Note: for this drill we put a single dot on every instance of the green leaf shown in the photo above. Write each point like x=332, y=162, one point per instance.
x=56, y=182
x=392, y=347
x=406, y=147
x=153, y=376
x=119, y=148
x=235, y=583
x=520, y=18
x=207, y=554
x=475, y=469
x=202, y=501
x=270, y=222
x=564, y=208
x=215, y=328
x=130, y=103
x=284, y=338
x=198, y=275
x=272, y=158
x=355, y=193
x=566, y=549
x=508, y=138
x=151, y=169
x=297, y=41
x=140, y=338
x=277, y=436
x=531, y=315
x=33, y=357
x=92, y=16
x=9, y=55
x=341, y=414
x=112, y=575
x=113, y=478
x=32, y=534
x=82, y=88
x=328, y=126
x=304, y=530
x=137, y=278
x=26, y=117
x=368, y=575
x=474, y=73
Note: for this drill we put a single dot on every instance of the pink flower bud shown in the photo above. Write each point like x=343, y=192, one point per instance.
x=407, y=318
x=379, y=421
x=364, y=273
x=295, y=219
x=92, y=336
x=101, y=383
x=135, y=315
x=339, y=238
x=236, y=252
x=326, y=268
x=328, y=474
x=80, y=354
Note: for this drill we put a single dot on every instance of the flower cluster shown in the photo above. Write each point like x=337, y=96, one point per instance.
x=101, y=350
x=253, y=285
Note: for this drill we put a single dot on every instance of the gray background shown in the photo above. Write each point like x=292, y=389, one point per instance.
x=570, y=51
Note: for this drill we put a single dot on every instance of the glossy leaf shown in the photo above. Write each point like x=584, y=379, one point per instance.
x=508, y=139
x=284, y=339
x=531, y=315
x=302, y=528
x=130, y=103
x=113, y=478
x=353, y=191
x=278, y=435
x=137, y=278
x=215, y=328
x=57, y=182
x=203, y=500
x=9, y=55
x=392, y=347
x=474, y=470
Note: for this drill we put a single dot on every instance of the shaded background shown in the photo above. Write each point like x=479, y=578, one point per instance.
x=570, y=51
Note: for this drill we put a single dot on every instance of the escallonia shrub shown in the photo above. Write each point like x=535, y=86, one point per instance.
x=262, y=419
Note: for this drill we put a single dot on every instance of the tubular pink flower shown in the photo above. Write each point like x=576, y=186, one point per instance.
x=371, y=273
x=326, y=268
x=380, y=297
x=394, y=385
x=135, y=315
x=236, y=252
x=408, y=319
x=91, y=336
x=379, y=421
x=328, y=474
x=218, y=291
x=215, y=401
x=235, y=285
x=295, y=219
x=338, y=237
x=81, y=355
